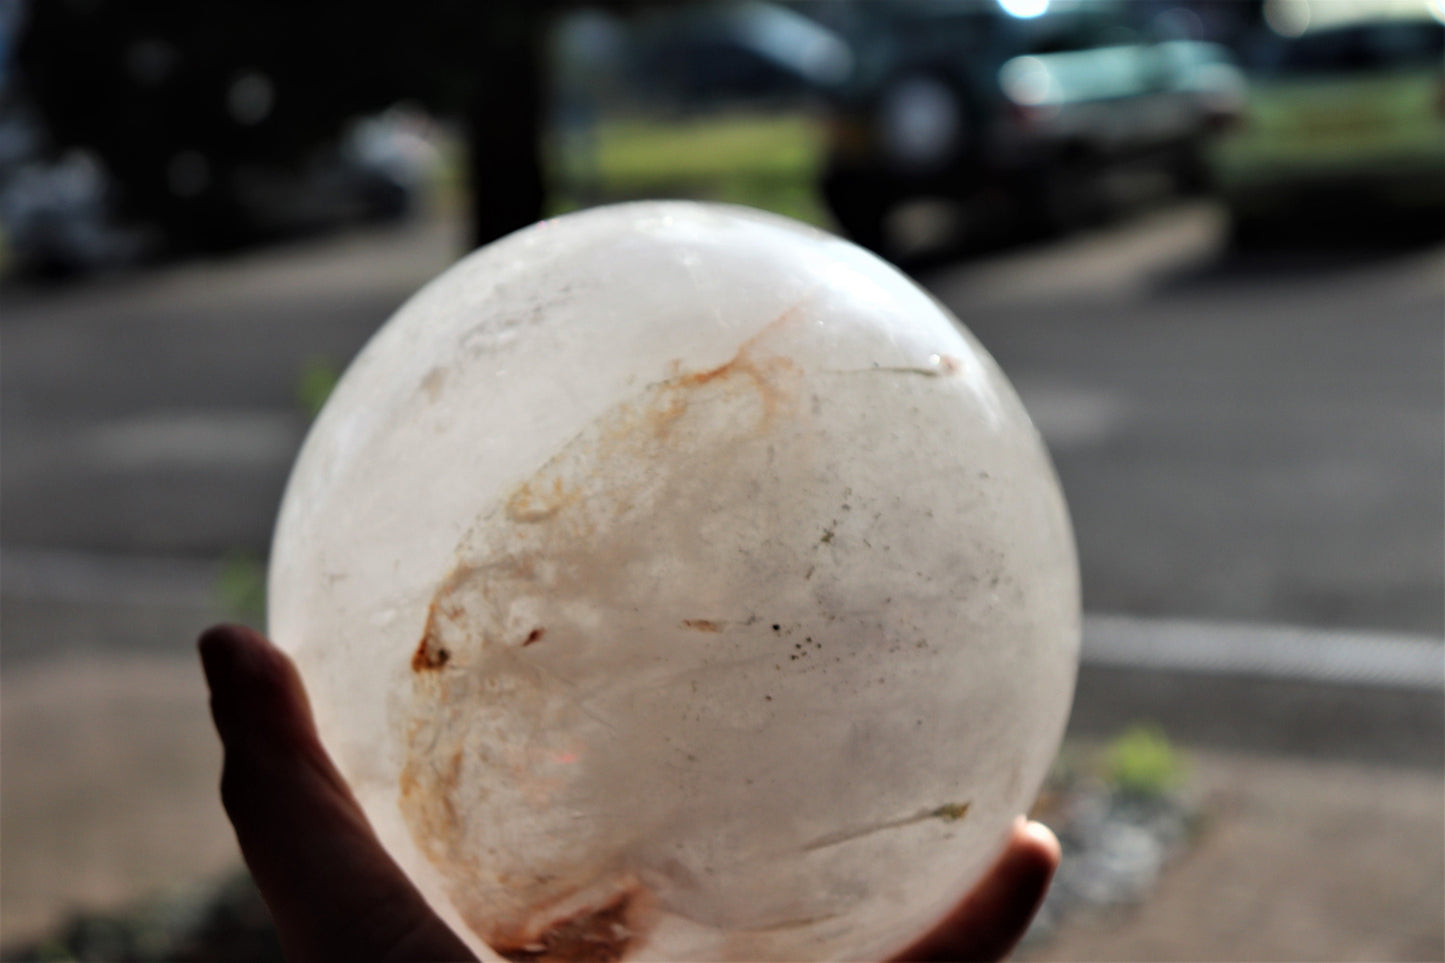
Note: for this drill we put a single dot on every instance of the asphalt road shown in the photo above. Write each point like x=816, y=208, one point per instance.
x=1241, y=437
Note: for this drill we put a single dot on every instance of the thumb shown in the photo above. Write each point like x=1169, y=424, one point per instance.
x=991, y=920
x=333, y=891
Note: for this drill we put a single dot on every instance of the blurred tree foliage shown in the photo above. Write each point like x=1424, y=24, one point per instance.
x=183, y=101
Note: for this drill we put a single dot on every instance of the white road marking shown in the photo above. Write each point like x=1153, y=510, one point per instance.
x=167, y=440
x=1342, y=657
x=1319, y=655
x=157, y=442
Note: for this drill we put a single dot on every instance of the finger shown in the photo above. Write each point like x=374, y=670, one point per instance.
x=333, y=891
x=991, y=919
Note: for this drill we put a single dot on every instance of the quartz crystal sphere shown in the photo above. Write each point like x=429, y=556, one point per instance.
x=676, y=581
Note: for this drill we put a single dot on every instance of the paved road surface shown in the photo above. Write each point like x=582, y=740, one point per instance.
x=1249, y=438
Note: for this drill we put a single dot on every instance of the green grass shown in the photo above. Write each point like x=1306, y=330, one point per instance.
x=770, y=161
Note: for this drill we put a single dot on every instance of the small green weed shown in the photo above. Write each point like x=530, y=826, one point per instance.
x=314, y=384
x=241, y=586
x=1142, y=762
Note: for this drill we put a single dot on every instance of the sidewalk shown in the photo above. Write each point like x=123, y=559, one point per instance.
x=1315, y=845
x=1298, y=859
x=110, y=774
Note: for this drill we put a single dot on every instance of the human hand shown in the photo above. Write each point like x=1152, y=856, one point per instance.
x=335, y=894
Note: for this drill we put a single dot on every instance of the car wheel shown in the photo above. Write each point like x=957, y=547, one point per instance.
x=1254, y=226
x=921, y=124
x=1065, y=196
x=860, y=207
x=1190, y=170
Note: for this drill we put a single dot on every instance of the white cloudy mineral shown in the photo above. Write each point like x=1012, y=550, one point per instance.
x=676, y=581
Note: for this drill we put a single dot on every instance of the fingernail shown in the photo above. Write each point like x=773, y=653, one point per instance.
x=1041, y=833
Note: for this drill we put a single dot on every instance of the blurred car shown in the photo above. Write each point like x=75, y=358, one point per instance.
x=1344, y=115
x=741, y=52
x=376, y=172
x=57, y=211
x=949, y=100
x=62, y=213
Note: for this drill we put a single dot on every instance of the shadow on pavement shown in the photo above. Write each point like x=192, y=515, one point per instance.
x=1302, y=248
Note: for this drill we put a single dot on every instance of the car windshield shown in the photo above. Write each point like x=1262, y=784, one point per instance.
x=1358, y=48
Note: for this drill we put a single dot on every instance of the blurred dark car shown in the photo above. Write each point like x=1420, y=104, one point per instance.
x=61, y=213
x=725, y=53
x=204, y=126
x=56, y=210
x=951, y=100
x=374, y=173
x=1346, y=116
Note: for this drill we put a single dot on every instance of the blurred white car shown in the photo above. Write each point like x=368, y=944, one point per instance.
x=1344, y=114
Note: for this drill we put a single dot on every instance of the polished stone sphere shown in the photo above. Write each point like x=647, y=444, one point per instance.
x=677, y=581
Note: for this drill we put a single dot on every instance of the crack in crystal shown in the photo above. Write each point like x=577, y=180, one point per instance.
x=949, y=812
